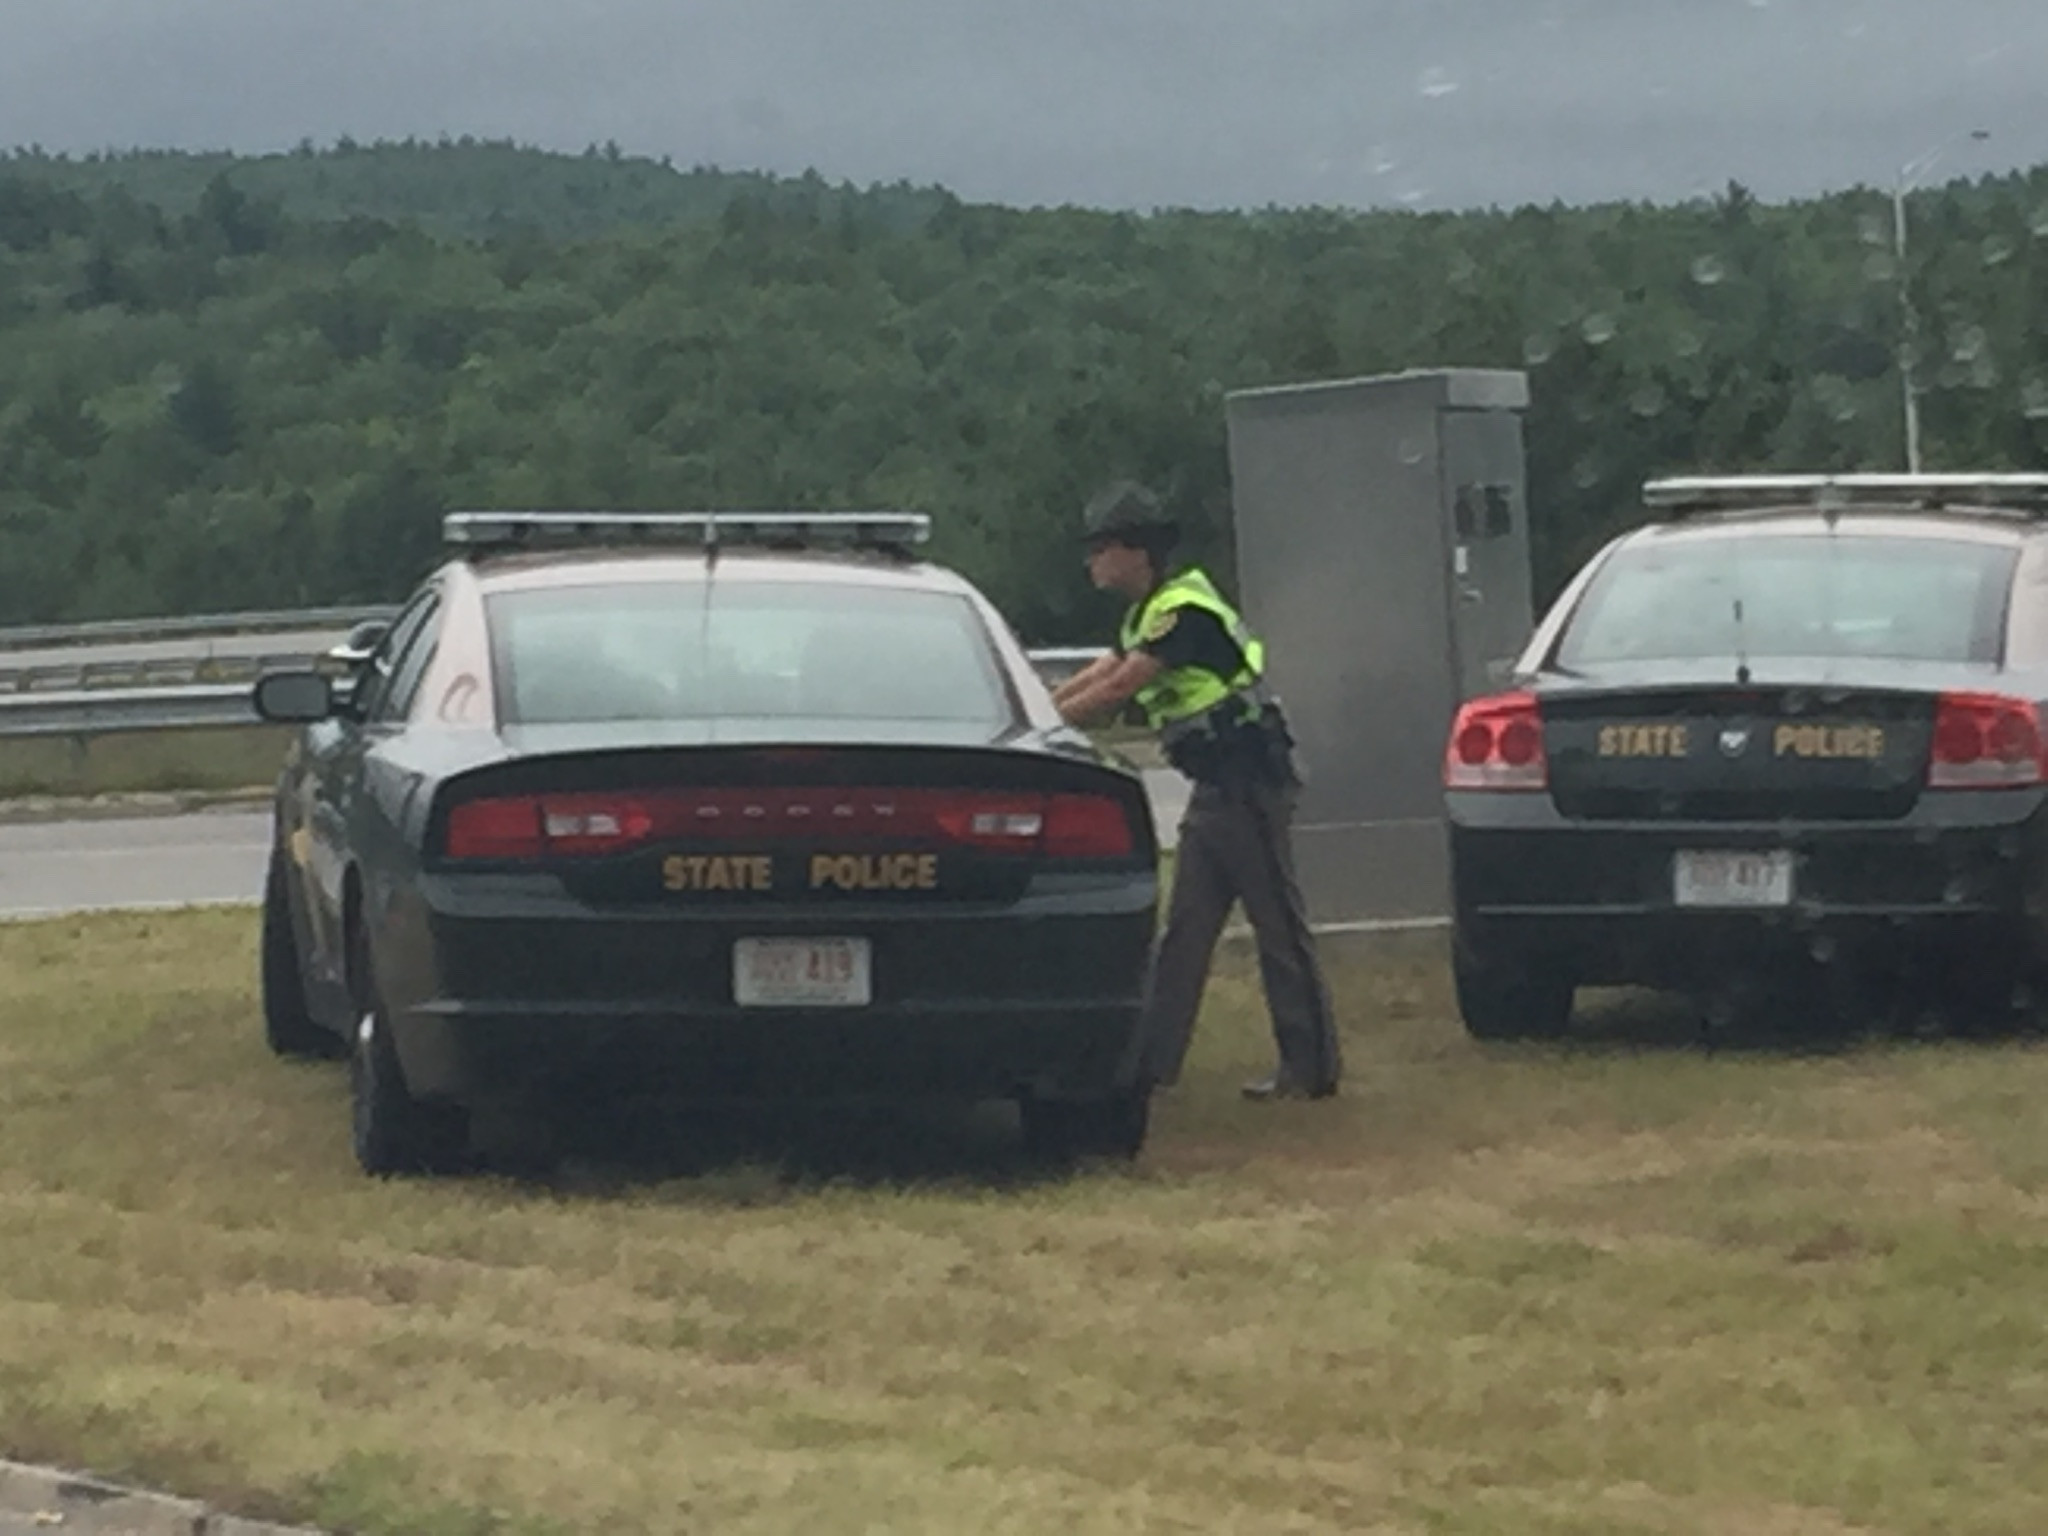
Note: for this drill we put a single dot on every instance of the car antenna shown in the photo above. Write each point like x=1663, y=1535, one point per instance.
x=1741, y=648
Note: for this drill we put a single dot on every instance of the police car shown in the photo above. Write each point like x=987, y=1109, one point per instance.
x=701, y=806
x=1793, y=719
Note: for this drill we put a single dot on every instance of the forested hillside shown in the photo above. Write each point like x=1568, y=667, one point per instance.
x=472, y=188
x=239, y=399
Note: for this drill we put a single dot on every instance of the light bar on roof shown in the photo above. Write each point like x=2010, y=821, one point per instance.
x=1734, y=493
x=610, y=530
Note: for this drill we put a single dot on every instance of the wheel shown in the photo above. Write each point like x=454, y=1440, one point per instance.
x=1068, y=1130
x=390, y=1130
x=1506, y=999
x=288, y=1025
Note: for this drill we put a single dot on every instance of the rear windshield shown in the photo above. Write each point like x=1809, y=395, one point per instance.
x=776, y=650
x=1820, y=597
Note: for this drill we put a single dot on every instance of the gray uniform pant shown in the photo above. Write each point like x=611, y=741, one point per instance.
x=1234, y=846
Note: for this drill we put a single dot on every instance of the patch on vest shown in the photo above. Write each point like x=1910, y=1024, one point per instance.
x=1159, y=626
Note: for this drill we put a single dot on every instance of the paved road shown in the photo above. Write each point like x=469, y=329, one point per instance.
x=163, y=861
x=206, y=857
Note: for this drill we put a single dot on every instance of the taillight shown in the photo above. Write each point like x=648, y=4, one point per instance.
x=1985, y=741
x=1497, y=743
x=547, y=826
x=1086, y=827
x=550, y=826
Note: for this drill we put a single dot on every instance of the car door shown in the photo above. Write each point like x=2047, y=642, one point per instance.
x=334, y=773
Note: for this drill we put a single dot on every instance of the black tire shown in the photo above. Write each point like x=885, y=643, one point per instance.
x=1071, y=1130
x=1503, y=998
x=288, y=1024
x=390, y=1131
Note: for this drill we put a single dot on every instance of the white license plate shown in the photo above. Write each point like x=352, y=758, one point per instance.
x=801, y=973
x=1733, y=879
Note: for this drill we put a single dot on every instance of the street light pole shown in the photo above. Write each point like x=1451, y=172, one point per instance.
x=1909, y=327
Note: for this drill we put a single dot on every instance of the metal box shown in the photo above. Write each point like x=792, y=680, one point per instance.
x=1383, y=554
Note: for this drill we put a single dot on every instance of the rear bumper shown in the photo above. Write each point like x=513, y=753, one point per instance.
x=487, y=1048
x=1961, y=875
x=511, y=987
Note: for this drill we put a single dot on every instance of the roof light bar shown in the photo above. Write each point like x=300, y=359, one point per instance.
x=2019, y=493
x=499, y=531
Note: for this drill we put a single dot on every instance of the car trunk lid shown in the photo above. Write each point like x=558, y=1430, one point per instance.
x=794, y=826
x=1827, y=743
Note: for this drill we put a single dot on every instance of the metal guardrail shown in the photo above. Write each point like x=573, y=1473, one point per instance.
x=26, y=637
x=159, y=673
x=111, y=710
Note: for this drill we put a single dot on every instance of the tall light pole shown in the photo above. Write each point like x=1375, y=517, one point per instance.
x=1909, y=328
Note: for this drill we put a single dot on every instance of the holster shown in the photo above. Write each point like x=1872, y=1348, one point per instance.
x=1219, y=748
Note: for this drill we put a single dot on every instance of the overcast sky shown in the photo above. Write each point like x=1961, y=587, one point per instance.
x=1123, y=103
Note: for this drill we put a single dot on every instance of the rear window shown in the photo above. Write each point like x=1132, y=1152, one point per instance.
x=1820, y=597
x=775, y=650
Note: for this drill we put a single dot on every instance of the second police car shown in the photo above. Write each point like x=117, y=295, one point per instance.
x=1791, y=719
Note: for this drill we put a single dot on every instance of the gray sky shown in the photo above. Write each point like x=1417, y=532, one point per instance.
x=1125, y=103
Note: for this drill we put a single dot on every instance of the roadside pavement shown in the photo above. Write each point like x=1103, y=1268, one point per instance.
x=38, y=1501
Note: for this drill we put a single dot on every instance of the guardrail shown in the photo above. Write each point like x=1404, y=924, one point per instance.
x=156, y=673
x=186, y=705
x=26, y=637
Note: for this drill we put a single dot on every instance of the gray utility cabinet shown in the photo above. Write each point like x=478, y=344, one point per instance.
x=1383, y=555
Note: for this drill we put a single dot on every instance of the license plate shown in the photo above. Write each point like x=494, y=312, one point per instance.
x=801, y=973
x=1733, y=879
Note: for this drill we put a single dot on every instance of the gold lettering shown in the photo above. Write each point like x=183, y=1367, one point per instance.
x=1644, y=741
x=718, y=872
x=875, y=872
x=1829, y=742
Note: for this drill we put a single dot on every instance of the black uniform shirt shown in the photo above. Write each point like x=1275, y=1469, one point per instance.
x=1196, y=638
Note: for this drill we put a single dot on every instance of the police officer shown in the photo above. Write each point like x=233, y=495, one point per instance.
x=1197, y=673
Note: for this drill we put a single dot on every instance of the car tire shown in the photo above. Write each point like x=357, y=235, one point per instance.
x=390, y=1131
x=288, y=1024
x=1500, y=998
x=1071, y=1130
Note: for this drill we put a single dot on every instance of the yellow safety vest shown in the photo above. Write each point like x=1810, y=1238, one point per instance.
x=1181, y=694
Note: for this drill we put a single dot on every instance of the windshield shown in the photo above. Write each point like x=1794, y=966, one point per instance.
x=1826, y=596
x=776, y=650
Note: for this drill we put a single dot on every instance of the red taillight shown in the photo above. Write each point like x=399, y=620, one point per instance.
x=496, y=829
x=554, y=826
x=1985, y=741
x=1497, y=743
x=1086, y=827
x=1061, y=826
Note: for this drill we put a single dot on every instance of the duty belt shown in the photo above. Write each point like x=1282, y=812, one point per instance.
x=1252, y=708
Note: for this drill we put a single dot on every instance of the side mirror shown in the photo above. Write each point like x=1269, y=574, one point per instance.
x=295, y=698
x=361, y=644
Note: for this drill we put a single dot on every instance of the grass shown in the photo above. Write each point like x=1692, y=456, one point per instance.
x=224, y=758
x=1623, y=1286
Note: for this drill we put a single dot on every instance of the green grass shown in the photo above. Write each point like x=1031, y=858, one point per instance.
x=217, y=759
x=1622, y=1286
